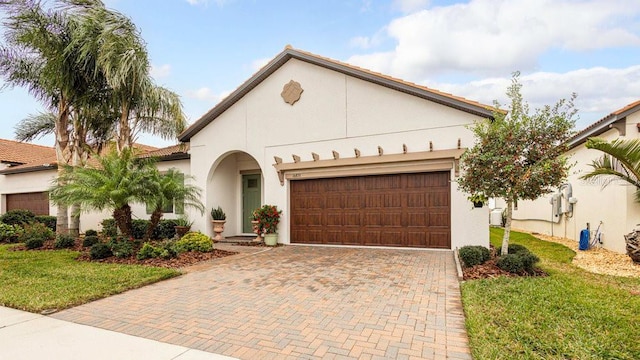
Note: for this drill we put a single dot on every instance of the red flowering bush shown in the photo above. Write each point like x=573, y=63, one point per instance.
x=268, y=217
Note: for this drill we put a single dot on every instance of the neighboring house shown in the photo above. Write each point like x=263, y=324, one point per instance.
x=614, y=205
x=27, y=172
x=352, y=157
x=29, y=192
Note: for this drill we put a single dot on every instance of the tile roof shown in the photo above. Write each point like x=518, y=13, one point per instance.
x=43, y=160
x=178, y=150
x=21, y=152
x=288, y=53
x=603, y=124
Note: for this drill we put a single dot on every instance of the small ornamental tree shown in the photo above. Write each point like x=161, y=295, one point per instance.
x=518, y=155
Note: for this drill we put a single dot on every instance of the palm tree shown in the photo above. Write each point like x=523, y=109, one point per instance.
x=37, y=56
x=114, y=183
x=123, y=61
x=621, y=161
x=170, y=188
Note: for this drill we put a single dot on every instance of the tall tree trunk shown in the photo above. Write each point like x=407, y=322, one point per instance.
x=507, y=228
x=153, y=223
x=62, y=158
x=124, y=135
x=76, y=161
x=122, y=215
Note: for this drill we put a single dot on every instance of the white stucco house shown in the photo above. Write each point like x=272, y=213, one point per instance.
x=351, y=157
x=614, y=205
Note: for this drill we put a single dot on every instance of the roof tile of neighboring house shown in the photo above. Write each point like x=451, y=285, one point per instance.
x=21, y=152
x=178, y=150
x=288, y=53
x=44, y=160
x=603, y=124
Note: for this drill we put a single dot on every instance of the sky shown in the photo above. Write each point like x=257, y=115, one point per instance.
x=204, y=49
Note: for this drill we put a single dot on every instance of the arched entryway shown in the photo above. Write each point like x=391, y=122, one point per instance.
x=235, y=184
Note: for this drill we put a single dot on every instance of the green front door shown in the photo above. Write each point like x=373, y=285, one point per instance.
x=250, y=199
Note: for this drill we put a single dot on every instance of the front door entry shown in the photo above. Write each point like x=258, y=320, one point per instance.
x=250, y=199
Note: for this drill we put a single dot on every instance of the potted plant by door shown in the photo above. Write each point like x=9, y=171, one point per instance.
x=255, y=225
x=218, y=219
x=183, y=225
x=269, y=218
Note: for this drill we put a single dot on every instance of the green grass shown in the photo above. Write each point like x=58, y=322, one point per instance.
x=571, y=314
x=39, y=280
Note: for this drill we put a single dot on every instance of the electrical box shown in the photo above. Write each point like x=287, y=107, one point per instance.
x=556, y=205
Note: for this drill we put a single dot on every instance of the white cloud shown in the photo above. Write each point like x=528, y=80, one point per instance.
x=491, y=36
x=367, y=42
x=162, y=71
x=600, y=90
x=408, y=6
x=206, y=94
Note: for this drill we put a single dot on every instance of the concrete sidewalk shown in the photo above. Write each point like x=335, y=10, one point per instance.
x=24, y=335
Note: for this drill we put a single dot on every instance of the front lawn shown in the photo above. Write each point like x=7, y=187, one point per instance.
x=571, y=314
x=40, y=280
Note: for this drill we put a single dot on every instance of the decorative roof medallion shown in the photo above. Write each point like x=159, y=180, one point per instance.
x=291, y=92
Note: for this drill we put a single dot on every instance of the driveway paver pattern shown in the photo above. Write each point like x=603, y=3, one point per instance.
x=297, y=302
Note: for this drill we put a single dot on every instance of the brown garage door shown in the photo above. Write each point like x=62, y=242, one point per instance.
x=37, y=202
x=410, y=210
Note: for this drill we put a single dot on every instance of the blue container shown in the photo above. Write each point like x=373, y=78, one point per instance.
x=584, y=240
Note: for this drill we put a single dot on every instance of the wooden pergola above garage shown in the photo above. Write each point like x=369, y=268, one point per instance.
x=406, y=162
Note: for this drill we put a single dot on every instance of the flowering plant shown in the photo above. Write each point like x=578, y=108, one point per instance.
x=268, y=217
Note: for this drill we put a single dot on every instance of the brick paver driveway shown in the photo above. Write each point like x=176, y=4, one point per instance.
x=300, y=302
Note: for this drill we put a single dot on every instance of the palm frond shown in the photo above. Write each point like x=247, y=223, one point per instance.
x=35, y=126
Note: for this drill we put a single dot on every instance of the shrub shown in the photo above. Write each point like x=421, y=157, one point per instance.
x=109, y=227
x=35, y=234
x=90, y=232
x=511, y=263
x=166, y=229
x=64, y=241
x=10, y=233
x=34, y=243
x=149, y=251
x=170, y=249
x=100, y=251
x=515, y=248
x=90, y=240
x=18, y=217
x=529, y=261
x=474, y=255
x=194, y=241
x=139, y=227
x=48, y=221
x=121, y=247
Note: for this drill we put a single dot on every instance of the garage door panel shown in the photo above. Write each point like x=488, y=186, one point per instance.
x=382, y=182
x=382, y=210
x=439, y=240
x=417, y=200
x=439, y=199
x=354, y=201
x=442, y=220
x=417, y=219
x=333, y=202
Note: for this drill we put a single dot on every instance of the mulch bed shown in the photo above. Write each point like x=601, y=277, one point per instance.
x=183, y=260
x=490, y=270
